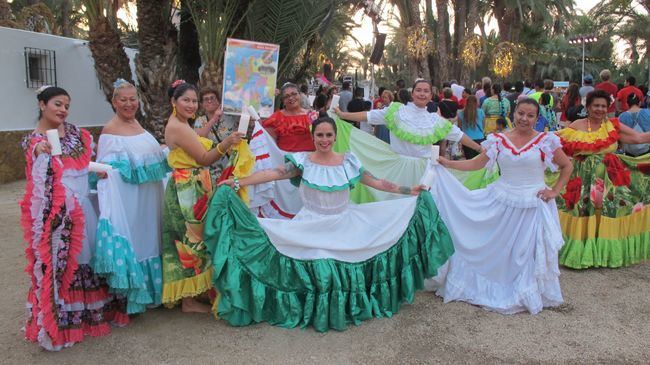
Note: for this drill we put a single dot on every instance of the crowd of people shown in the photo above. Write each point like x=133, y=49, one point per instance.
x=327, y=215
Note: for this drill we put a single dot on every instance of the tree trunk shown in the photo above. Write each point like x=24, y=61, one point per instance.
x=508, y=21
x=108, y=53
x=472, y=21
x=460, y=23
x=66, y=27
x=188, y=47
x=443, y=41
x=155, y=63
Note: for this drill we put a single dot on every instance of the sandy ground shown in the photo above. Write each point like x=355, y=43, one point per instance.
x=606, y=319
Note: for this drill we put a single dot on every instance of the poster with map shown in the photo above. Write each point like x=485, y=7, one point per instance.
x=250, y=73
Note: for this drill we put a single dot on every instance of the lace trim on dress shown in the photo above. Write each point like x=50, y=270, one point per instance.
x=412, y=129
x=326, y=178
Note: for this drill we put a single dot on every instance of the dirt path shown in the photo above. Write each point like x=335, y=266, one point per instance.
x=606, y=319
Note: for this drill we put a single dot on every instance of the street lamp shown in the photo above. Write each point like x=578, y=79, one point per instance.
x=583, y=39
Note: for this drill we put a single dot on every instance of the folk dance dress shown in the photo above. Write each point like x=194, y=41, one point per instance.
x=604, y=210
x=67, y=300
x=506, y=239
x=278, y=199
x=130, y=223
x=333, y=264
x=412, y=132
x=187, y=266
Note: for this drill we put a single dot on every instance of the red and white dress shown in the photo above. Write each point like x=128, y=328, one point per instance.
x=278, y=199
x=506, y=239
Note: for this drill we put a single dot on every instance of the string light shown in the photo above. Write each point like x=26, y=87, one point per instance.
x=503, y=59
x=472, y=51
x=419, y=42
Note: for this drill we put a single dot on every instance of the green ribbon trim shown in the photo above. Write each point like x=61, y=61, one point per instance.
x=297, y=180
x=600, y=252
x=141, y=174
x=429, y=139
x=259, y=284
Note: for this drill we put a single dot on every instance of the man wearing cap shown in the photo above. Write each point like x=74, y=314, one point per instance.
x=587, y=86
x=610, y=88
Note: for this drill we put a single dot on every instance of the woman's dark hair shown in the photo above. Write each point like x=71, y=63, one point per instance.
x=633, y=99
x=320, y=101
x=470, y=112
x=421, y=81
x=496, y=90
x=572, y=94
x=528, y=101
x=321, y=120
x=598, y=94
x=182, y=88
x=404, y=96
x=545, y=99
x=502, y=122
x=48, y=94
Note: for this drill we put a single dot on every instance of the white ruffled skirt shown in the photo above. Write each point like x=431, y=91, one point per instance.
x=506, y=244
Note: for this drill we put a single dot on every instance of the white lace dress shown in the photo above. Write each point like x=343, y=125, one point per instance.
x=506, y=239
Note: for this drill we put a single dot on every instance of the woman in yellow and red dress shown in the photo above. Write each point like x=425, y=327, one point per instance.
x=605, y=211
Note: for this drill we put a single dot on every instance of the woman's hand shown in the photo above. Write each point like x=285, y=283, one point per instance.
x=232, y=139
x=337, y=110
x=215, y=117
x=417, y=189
x=230, y=182
x=42, y=147
x=101, y=174
x=547, y=194
x=444, y=161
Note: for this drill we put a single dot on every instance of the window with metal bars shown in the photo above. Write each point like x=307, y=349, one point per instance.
x=40, y=67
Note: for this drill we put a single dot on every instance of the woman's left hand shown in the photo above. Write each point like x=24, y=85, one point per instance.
x=547, y=194
x=230, y=182
x=417, y=189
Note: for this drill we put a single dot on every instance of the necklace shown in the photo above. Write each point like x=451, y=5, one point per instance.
x=588, y=125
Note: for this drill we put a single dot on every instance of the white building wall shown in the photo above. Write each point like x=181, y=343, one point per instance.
x=75, y=72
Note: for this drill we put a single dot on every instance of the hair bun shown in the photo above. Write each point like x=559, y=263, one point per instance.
x=41, y=89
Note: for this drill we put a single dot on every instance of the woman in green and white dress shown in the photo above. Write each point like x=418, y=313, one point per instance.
x=412, y=132
x=334, y=263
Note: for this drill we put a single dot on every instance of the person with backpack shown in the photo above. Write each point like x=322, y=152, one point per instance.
x=639, y=120
x=495, y=107
x=571, y=104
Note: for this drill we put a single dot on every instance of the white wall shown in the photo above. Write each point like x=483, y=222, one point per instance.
x=75, y=72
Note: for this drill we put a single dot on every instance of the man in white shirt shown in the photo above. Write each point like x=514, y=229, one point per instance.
x=456, y=89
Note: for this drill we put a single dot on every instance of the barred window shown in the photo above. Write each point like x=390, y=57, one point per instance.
x=40, y=67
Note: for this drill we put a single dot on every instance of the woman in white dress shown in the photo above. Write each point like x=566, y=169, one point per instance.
x=412, y=132
x=334, y=263
x=130, y=201
x=506, y=236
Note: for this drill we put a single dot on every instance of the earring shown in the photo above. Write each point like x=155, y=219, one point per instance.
x=193, y=115
x=174, y=110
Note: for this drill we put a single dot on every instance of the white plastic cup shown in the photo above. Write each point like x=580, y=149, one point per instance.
x=435, y=154
x=252, y=112
x=311, y=99
x=244, y=119
x=99, y=167
x=55, y=143
x=335, y=102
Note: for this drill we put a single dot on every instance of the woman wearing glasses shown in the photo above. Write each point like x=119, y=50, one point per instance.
x=287, y=130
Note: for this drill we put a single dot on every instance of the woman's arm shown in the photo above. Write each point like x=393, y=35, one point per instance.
x=207, y=127
x=630, y=136
x=384, y=185
x=476, y=163
x=466, y=141
x=355, y=117
x=286, y=171
x=183, y=136
x=566, y=168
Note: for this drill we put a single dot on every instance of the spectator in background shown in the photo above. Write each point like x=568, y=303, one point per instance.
x=610, y=88
x=381, y=131
x=333, y=90
x=448, y=108
x=463, y=99
x=345, y=96
x=457, y=90
x=547, y=119
x=320, y=103
x=507, y=88
x=357, y=104
x=495, y=107
x=486, y=86
x=587, y=86
x=470, y=120
x=378, y=102
x=432, y=106
x=528, y=87
x=621, y=96
x=644, y=90
x=403, y=96
x=539, y=89
x=548, y=88
x=638, y=119
x=512, y=97
x=304, y=97
x=399, y=85
x=570, y=100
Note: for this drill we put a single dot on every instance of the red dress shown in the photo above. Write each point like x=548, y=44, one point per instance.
x=293, y=132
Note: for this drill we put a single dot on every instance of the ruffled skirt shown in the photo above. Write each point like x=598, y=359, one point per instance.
x=506, y=243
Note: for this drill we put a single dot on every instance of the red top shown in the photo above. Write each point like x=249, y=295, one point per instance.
x=564, y=104
x=610, y=88
x=293, y=132
x=624, y=93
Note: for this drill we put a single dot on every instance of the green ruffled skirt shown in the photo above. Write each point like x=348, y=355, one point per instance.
x=258, y=284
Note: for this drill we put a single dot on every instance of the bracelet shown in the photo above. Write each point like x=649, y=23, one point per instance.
x=219, y=149
x=236, y=186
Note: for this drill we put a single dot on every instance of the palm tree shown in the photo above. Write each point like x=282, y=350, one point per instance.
x=409, y=15
x=155, y=64
x=105, y=46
